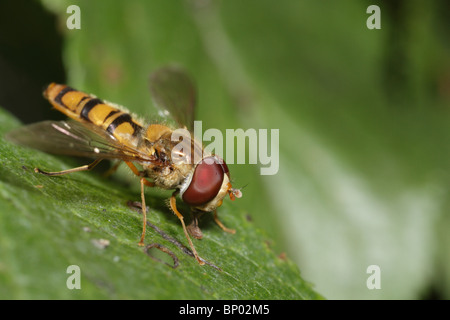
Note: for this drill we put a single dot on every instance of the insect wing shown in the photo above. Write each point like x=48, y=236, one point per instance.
x=173, y=92
x=75, y=139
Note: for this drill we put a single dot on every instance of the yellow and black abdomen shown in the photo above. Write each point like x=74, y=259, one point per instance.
x=86, y=108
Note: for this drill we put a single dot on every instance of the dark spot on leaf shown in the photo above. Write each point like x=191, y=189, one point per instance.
x=163, y=249
x=136, y=206
x=282, y=256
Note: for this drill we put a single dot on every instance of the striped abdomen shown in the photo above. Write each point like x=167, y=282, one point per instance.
x=85, y=108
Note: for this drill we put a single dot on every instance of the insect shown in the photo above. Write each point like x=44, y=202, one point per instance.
x=102, y=130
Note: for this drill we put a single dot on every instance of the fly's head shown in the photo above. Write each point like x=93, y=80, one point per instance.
x=207, y=185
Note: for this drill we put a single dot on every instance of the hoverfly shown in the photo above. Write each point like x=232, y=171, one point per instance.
x=102, y=130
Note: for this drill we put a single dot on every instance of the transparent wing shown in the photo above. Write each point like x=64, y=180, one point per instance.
x=75, y=139
x=174, y=94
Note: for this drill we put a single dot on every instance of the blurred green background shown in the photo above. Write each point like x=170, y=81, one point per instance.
x=363, y=115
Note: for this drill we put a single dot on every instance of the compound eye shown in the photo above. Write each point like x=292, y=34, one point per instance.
x=205, y=183
x=224, y=165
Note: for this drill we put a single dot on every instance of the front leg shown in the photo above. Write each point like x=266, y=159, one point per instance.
x=220, y=224
x=173, y=206
x=193, y=227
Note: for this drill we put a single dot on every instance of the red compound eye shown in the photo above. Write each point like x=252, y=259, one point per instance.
x=224, y=166
x=206, y=181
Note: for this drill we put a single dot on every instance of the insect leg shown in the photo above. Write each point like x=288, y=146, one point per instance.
x=138, y=173
x=144, y=211
x=144, y=181
x=173, y=206
x=112, y=169
x=60, y=173
x=193, y=227
x=220, y=224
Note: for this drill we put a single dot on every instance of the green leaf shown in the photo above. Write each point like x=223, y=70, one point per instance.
x=51, y=223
